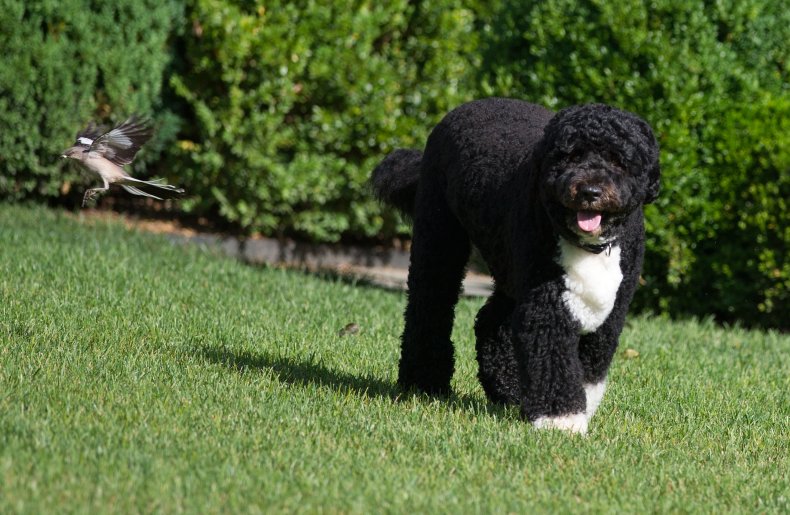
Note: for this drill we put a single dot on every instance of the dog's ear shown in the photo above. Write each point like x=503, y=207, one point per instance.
x=650, y=153
x=637, y=135
x=654, y=183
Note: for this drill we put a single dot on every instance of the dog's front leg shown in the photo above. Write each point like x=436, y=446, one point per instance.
x=546, y=340
x=596, y=349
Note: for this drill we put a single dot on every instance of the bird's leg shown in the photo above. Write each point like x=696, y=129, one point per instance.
x=91, y=193
x=87, y=197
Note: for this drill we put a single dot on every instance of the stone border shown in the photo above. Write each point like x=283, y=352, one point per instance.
x=387, y=268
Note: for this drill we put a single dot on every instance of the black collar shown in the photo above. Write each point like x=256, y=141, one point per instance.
x=574, y=239
x=596, y=249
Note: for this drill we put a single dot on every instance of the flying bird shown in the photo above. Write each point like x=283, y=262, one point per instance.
x=107, y=152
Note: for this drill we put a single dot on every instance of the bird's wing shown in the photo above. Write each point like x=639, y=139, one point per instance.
x=121, y=144
x=86, y=136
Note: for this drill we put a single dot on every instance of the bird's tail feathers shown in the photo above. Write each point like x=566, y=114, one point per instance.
x=154, y=188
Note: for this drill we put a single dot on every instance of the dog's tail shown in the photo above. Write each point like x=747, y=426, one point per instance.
x=395, y=179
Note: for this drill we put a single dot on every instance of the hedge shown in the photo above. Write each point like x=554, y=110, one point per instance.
x=712, y=79
x=741, y=260
x=290, y=105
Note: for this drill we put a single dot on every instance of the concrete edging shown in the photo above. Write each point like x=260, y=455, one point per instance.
x=384, y=267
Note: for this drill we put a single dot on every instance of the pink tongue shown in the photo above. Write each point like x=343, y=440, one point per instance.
x=588, y=220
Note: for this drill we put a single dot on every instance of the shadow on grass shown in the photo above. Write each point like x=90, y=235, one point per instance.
x=309, y=373
x=337, y=277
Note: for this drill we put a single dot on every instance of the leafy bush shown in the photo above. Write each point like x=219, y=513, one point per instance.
x=694, y=70
x=66, y=62
x=291, y=105
x=740, y=264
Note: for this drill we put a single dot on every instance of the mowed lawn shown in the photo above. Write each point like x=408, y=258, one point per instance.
x=140, y=376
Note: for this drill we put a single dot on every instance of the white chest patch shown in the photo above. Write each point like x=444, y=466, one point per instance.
x=592, y=281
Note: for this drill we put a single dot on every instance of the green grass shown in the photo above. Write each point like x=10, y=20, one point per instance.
x=139, y=376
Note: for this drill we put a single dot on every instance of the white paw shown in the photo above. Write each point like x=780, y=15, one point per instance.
x=594, y=393
x=575, y=423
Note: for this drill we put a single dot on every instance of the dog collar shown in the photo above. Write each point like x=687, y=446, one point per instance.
x=597, y=249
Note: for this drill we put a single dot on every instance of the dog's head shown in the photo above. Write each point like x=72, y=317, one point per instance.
x=597, y=164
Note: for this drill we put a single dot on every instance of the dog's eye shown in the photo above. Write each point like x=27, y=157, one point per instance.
x=576, y=154
x=614, y=159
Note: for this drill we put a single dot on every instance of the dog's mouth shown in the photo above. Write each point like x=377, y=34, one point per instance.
x=589, y=206
x=590, y=216
x=590, y=225
x=589, y=221
x=586, y=210
x=589, y=229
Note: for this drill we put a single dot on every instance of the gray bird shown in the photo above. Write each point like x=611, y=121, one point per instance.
x=107, y=152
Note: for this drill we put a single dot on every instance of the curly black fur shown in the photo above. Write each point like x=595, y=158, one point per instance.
x=526, y=187
x=395, y=179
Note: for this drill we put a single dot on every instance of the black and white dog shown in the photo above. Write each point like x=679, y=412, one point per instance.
x=553, y=202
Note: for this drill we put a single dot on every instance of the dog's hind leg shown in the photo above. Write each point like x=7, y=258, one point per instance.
x=439, y=253
x=496, y=359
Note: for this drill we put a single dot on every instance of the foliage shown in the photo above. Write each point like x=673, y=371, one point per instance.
x=741, y=261
x=69, y=61
x=292, y=104
x=693, y=70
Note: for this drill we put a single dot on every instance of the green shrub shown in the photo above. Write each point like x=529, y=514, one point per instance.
x=291, y=105
x=66, y=62
x=741, y=263
x=694, y=70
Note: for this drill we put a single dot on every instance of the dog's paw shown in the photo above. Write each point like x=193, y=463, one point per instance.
x=574, y=423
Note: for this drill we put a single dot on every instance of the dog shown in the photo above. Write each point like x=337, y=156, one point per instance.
x=554, y=204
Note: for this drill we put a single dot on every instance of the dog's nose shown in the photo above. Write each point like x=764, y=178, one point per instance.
x=590, y=192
